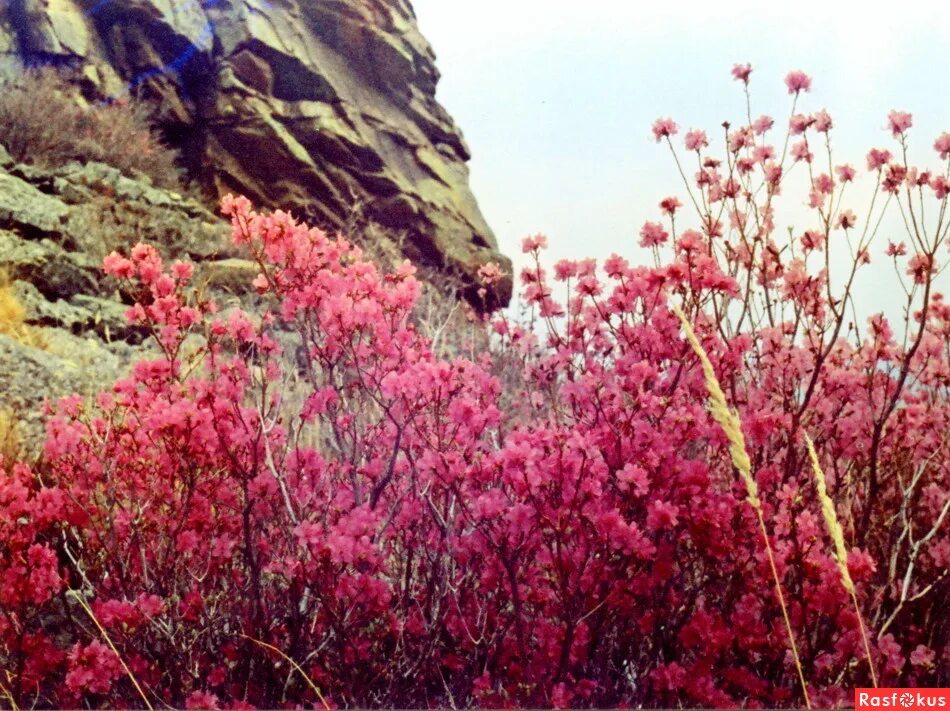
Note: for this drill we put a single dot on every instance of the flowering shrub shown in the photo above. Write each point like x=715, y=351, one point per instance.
x=307, y=506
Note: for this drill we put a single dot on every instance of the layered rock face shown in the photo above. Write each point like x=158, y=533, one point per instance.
x=316, y=106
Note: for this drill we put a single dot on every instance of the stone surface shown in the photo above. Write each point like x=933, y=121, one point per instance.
x=67, y=364
x=23, y=205
x=54, y=271
x=317, y=106
x=231, y=276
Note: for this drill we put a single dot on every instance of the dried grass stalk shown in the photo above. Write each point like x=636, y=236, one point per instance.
x=840, y=551
x=730, y=423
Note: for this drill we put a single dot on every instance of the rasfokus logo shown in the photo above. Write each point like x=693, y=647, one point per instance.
x=901, y=699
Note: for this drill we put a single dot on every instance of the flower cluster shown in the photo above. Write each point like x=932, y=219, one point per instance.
x=556, y=522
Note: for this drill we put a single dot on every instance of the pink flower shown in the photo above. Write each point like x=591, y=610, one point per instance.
x=664, y=128
x=201, y=700
x=636, y=476
x=762, y=124
x=764, y=153
x=670, y=205
x=923, y=656
x=800, y=152
x=118, y=266
x=940, y=186
x=797, y=81
x=490, y=273
x=878, y=158
x=942, y=145
x=741, y=72
x=812, y=239
x=740, y=138
x=652, y=234
x=182, y=271
x=661, y=514
x=773, y=173
x=823, y=121
x=899, y=122
x=919, y=266
x=92, y=667
x=235, y=206
x=896, y=250
x=799, y=123
x=823, y=184
x=894, y=178
x=565, y=269
x=534, y=243
x=845, y=173
x=847, y=219
x=696, y=140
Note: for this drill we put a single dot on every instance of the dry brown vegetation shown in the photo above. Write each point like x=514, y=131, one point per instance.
x=13, y=316
x=45, y=121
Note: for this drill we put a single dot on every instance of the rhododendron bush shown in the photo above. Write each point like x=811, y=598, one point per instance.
x=305, y=506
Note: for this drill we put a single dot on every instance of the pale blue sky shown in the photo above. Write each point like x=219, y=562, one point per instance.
x=556, y=97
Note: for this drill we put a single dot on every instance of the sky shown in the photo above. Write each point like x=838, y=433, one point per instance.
x=556, y=99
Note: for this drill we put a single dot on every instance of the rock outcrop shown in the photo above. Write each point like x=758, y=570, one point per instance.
x=55, y=227
x=315, y=106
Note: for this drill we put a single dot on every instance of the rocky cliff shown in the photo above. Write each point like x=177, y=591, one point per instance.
x=315, y=106
x=62, y=323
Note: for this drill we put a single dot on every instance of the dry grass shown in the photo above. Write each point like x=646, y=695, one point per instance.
x=45, y=121
x=840, y=551
x=105, y=635
x=296, y=667
x=5, y=693
x=10, y=440
x=13, y=317
x=728, y=420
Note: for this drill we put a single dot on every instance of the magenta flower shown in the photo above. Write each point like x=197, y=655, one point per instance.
x=652, y=234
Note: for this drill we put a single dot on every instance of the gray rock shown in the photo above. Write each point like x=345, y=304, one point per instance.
x=29, y=376
x=59, y=313
x=231, y=276
x=107, y=319
x=55, y=272
x=27, y=210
